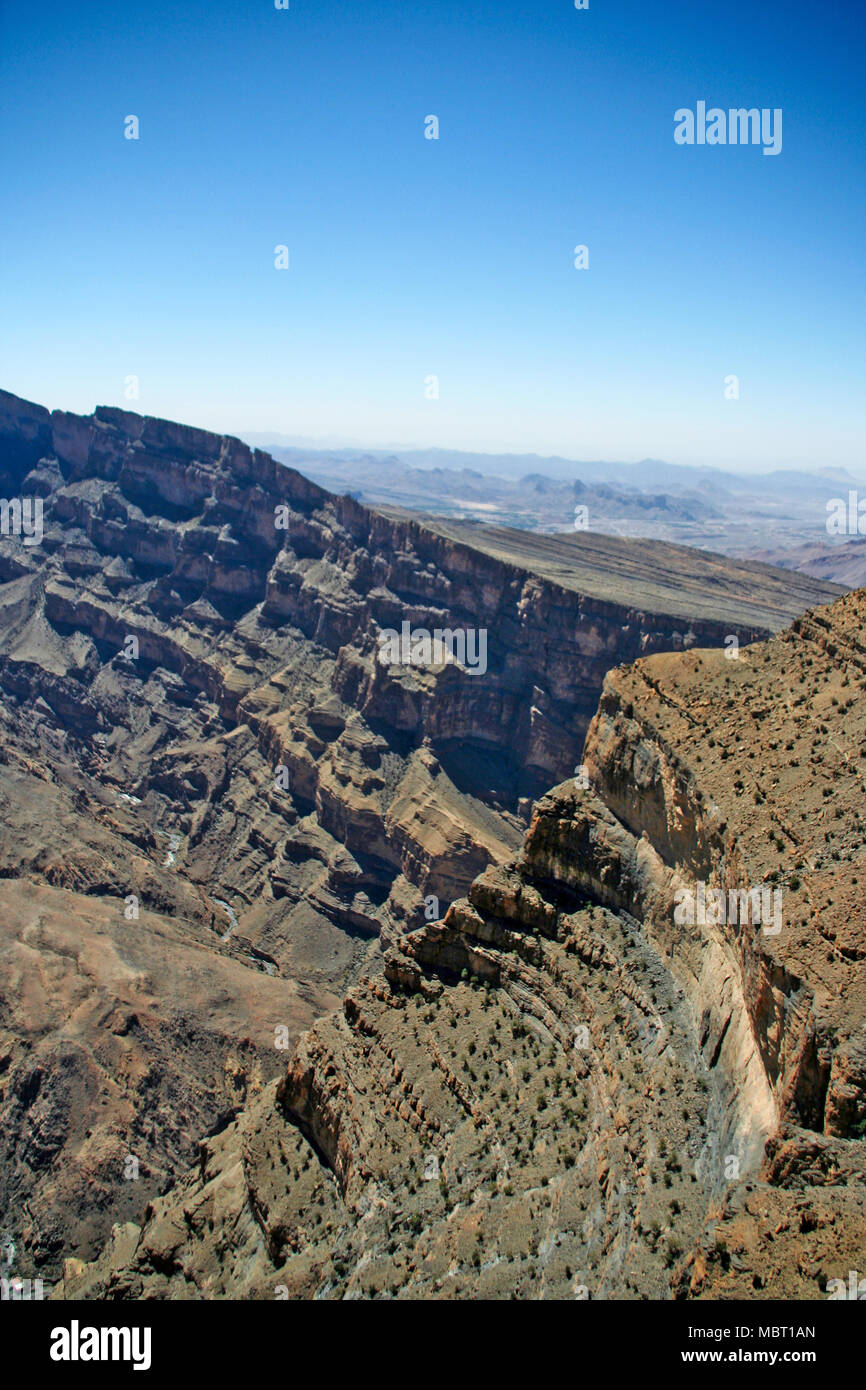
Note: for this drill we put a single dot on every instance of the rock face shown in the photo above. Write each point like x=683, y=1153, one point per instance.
x=219, y=806
x=580, y=1083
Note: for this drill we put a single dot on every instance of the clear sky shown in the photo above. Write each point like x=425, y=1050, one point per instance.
x=411, y=257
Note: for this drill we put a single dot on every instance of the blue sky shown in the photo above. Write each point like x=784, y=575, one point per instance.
x=412, y=257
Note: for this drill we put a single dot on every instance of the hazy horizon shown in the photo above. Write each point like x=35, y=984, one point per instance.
x=271, y=439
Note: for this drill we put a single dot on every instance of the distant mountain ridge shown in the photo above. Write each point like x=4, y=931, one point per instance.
x=745, y=515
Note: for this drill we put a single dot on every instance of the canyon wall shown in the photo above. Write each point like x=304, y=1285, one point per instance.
x=224, y=818
x=563, y=1089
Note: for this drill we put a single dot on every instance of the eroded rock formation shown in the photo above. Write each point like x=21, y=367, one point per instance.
x=563, y=1089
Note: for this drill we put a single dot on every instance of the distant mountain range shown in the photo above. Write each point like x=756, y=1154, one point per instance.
x=649, y=472
x=779, y=516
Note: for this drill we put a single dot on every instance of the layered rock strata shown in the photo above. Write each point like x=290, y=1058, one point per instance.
x=217, y=802
x=566, y=1088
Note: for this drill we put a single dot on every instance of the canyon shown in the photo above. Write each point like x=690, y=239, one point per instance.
x=328, y=977
x=558, y=1091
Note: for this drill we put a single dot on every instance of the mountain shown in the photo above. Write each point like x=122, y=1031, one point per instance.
x=222, y=808
x=739, y=514
x=842, y=562
x=568, y=1089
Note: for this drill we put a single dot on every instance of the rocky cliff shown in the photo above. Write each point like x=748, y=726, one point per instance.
x=567, y=1088
x=219, y=805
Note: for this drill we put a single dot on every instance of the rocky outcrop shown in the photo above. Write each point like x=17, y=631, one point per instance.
x=219, y=806
x=570, y=1086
